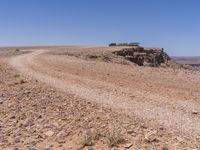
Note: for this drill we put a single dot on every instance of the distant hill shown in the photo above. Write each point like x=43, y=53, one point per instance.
x=192, y=61
x=188, y=60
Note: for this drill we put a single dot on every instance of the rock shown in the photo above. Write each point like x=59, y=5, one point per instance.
x=164, y=148
x=130, y=131
x=15, y=148
x=151, y=136
x=28, y=122
x=22, y=81
x=9, y=105
x=153, y=57
x=27, y=92
x=61, y=137
x=31, y=144
x=143, y=126
x=17, y=139
x=49, y=147
x=39, y=116
x=180, y=140
x=40, y=136
x=90, y=148
x=61, y=140
x=12, y=117
x=49, y=133
x=129, y=145
x=194, y=112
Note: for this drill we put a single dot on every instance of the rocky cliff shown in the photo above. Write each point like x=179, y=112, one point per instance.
x=145, y=56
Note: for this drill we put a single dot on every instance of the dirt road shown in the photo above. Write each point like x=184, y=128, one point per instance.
x=164, y=96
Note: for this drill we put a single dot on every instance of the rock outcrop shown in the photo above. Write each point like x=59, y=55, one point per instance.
x=145, y=56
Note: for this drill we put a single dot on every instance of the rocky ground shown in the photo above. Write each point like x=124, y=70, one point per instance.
x=51, y=100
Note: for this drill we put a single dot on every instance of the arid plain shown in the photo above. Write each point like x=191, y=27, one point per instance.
x=90, y=98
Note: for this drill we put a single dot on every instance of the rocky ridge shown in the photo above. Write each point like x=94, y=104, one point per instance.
x=153, y=57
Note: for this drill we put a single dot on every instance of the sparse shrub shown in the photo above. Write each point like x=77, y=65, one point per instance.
x=17, y=50
x=114, y=138
x=112, y=44
x=89, y=137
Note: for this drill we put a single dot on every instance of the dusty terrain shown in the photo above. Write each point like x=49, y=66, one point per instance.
x=89, y=98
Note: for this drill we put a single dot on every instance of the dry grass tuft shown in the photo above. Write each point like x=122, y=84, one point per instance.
x=114, y=138
x=111, y=137
x=89, y=137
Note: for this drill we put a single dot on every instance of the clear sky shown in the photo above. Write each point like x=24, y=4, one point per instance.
x=171, y=24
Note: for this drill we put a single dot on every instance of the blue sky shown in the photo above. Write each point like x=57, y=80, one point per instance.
x=171, y=24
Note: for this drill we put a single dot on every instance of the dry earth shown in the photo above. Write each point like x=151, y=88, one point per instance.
x=74, y=97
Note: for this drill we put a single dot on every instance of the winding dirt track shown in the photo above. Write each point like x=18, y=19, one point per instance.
x=165, y=96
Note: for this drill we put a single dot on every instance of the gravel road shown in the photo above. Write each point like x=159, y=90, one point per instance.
x=164, y=96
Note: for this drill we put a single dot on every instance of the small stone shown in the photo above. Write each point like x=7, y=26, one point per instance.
x=22, y=81
x=31, y=143
x=43, y=107
x=180, y=140
x=143, y=126
x=12, y=117
x=49, y=133
x=61, y=137
x=48, y=147
x=151, y=136
x=17, y=140
x=16, y=83
x=39, y=116
x=15, y=148
x=60, y=140
x=130, y=131
x=28, y=122
x=90, y=148
x=27, y=92
x=9, y=105
x=161, y=128
x=164, y=148
x=129, y=145
x=40, y=136
x=195, y=112
x=1, y=102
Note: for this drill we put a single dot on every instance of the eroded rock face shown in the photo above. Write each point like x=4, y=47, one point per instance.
x=145, y=56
